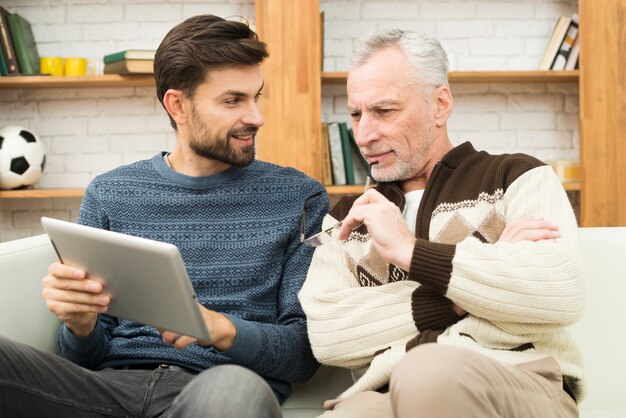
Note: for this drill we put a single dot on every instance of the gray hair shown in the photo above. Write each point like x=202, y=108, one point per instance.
x=430, y=62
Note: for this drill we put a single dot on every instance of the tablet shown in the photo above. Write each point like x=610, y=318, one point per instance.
x=147, y=279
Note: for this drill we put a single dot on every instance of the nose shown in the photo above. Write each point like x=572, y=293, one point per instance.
x=365, y=130
x=253, y=115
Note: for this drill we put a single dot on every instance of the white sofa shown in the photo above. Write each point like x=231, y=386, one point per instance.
x=24, y=317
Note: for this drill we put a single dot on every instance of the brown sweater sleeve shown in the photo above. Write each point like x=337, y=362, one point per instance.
x=431, y=264
x=431, y=310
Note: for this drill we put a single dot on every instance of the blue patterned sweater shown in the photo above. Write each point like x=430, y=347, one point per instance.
x=238, y=233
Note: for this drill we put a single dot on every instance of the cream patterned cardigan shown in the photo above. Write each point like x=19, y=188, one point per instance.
x=519, y=296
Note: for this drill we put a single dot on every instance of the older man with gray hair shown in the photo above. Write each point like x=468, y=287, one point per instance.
x=449, y=286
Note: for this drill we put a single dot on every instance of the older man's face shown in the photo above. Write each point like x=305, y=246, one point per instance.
x=392, y=117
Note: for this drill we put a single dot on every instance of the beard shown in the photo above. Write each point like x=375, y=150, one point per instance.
x=405, y=166
x=205, y=144
x=399, y=171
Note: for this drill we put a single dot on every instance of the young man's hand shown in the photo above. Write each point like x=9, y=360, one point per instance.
x=222, y=330
x=74, y=298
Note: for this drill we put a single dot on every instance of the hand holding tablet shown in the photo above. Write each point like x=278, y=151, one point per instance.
x=146, y=280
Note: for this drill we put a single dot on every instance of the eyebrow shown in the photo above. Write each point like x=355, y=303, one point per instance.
x=382, y=103
x=374, y=105
x=237, y=93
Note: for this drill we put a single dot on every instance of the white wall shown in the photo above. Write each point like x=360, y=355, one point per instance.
x=89, y=131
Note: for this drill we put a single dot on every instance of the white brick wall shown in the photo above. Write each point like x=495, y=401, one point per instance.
x=88, y=131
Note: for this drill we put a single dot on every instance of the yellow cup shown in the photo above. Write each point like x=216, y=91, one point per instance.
x=76, y=66
x=51, y=65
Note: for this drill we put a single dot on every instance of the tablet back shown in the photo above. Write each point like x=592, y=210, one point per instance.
x=147, y=279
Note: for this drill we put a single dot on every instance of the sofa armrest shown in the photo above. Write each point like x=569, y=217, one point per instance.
x=600, y=333
x=24, y=316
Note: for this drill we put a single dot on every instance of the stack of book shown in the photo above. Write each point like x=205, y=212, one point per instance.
x=18, y=50
x=343, y=162
x=131, y=61
x=563, y=48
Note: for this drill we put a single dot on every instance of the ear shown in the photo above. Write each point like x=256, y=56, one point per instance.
x=174, y=103
x=442, y=99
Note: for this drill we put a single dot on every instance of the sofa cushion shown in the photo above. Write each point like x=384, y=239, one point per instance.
x=24, y=316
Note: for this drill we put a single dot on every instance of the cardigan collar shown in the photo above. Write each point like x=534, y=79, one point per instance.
x=452, y=159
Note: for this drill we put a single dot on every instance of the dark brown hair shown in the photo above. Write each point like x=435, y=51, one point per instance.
x=200, y=44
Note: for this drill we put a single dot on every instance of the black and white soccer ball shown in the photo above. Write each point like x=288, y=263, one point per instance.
x=22, y=157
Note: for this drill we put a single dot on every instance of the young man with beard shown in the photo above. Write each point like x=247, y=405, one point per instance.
x=236, y=222
x=451, y=296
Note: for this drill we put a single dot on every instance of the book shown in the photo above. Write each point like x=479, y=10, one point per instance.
x=346, y=150
x=130, y=54
x=572, y=58
x=360, y=165
x=563, y=53
x=6, y=44
x=129, y=67
x=327, y=171
x=336, y=154
x=24, y=44
x=555, y=41
x=4, y=70
x=322, y=41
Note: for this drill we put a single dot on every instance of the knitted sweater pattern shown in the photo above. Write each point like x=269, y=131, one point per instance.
x=238, y=234
x=519, y=296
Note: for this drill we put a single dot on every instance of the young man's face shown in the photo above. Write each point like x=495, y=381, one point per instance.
x=225, y=115
x=392, y=119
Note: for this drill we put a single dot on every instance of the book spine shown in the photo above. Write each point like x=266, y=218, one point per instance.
x=7, y=45
x=336, y=154
x=556, y=38
x=118, y=56
x=3, y=65
x=566, y=46
x=327, y=171
x=347, y=154
x=572, y=59
x=18, y=28
x=361, y=167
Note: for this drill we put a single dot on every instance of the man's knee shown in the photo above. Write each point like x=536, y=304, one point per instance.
x=433, y=361
x=5, y=342
x=10, y=351
x=227, y=391
x=429, y=373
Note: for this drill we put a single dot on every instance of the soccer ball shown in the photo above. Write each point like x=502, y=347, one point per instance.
x=22, y=158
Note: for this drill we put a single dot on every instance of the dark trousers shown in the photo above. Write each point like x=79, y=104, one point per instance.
x=34, y=383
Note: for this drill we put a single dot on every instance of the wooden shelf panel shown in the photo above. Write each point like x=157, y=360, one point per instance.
x=485, y=77
x=41, y=193
x=358, y=188
x=144, y=80
x=111, y=80
x=348, y=189
x=572, y=186
x=60, y=193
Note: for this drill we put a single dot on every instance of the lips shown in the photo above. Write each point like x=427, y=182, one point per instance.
x=248, y=137
x=244, y=136
x=376, y=158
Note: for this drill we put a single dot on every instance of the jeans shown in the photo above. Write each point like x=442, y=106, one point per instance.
x=34, y=383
